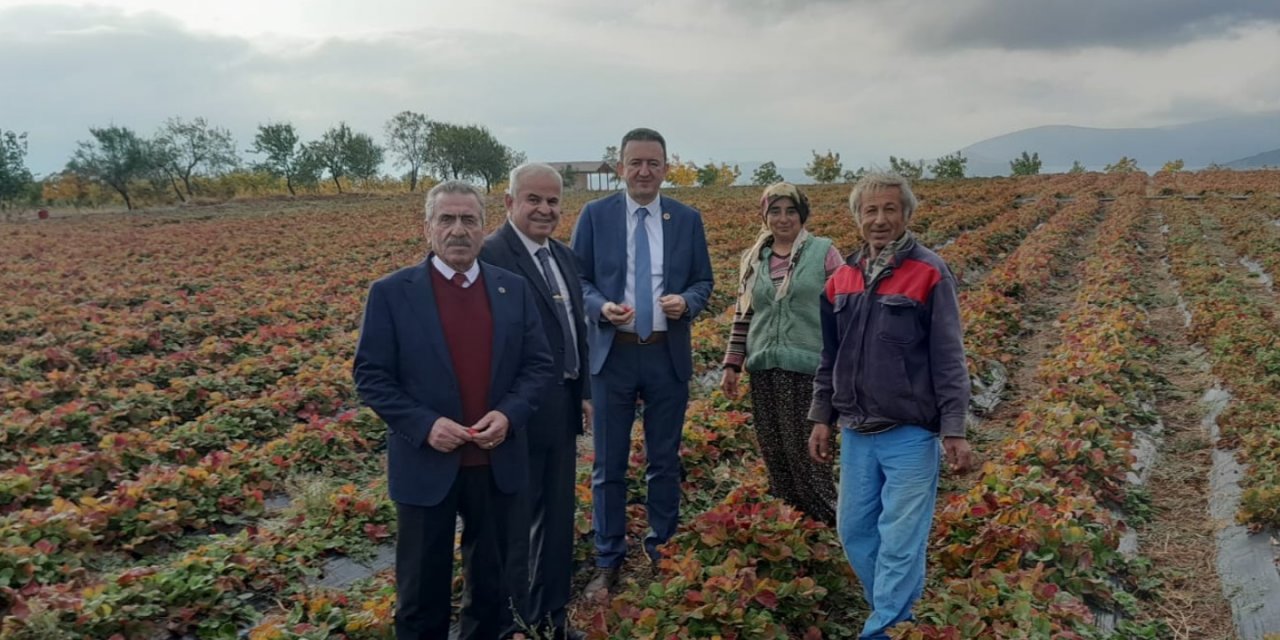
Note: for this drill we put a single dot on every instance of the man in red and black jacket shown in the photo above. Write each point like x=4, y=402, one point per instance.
x=893, y=378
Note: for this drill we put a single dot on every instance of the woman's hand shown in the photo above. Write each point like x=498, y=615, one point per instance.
x=729, y=382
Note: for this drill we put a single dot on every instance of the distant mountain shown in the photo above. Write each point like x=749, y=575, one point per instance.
x=1198, y=144
x=1266, y=159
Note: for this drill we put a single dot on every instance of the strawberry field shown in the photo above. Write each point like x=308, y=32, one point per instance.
x=182, y=453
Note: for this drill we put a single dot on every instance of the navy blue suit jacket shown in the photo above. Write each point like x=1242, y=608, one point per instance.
x=600, y=241
x=404, y=373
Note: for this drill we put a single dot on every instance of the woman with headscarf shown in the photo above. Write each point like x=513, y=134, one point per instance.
x=777, y=337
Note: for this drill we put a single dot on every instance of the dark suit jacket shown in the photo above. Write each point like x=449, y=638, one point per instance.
x=504, y=248
x=600, y=241
x=403, y=371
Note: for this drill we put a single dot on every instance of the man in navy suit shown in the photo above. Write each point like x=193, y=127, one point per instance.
x=646, y=275
x=453, y=357
x=524, y=245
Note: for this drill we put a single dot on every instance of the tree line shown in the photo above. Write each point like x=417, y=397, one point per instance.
x=186, y=157
x=184, y=154
x=826, y=168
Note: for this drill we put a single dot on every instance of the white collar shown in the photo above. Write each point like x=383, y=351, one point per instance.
x=632, y=206
x=448, y=271
x=529, y=243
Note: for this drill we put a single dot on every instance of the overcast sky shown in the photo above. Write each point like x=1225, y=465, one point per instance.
x=737, y=80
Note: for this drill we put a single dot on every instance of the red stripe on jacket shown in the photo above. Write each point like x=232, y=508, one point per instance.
x=845, y=280
x=912, y=278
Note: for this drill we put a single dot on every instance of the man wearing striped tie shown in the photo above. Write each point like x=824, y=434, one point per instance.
x=524, y=245
x=646, y=274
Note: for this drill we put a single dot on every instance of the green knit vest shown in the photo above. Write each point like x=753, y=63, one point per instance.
x=787, y=333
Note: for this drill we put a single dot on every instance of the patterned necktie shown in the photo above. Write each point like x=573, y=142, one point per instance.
x=558, y=301
x=644, y=277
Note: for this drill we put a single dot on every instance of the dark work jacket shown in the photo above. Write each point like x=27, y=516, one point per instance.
x=893, y=348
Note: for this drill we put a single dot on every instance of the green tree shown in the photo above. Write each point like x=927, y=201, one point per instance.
x=1076, y=167
x=568, y=176
x=15, y=178
x=1124, y=165
x=163, y=173
x=1173, y=166
x=286, y=156
x=329, y=152
x=407, y=137
x=182, y=149
x=824, y=168
x=489, y=159
x=362, y=156
x=949, y=167
x=115, y=158
x=611, y=158
x=470, y=151
x=1025, y=165
x=854, y=176
x=345, y=153
x=718, y=175
x=907, y=169
x=680, y=173
x=447, y=150
x=766, y=174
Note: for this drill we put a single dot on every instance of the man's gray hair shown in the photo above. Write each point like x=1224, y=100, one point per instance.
x=524, y=170
x=457, y=187
x=876, y=181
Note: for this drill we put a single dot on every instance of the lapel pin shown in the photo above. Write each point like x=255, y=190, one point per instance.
x=666, y=216
x=502, y=289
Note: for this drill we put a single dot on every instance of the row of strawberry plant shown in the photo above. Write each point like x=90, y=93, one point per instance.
x=1263, y=183
x=1023, y=552
x=977, y=249
x=318, y=386
x=994, y=311
x=1250, y=229
x=1238, y=324
x=218, y=588
x=51, y=545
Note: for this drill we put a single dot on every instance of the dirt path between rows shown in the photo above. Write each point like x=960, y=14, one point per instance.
x=1180, y=537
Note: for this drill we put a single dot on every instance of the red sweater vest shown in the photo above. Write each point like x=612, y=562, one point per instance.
x=468, y=332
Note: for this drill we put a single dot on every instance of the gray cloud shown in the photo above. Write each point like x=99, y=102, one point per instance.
x=1054, y=25
x=566, y=78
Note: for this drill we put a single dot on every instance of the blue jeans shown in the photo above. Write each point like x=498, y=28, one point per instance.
x=888, y=485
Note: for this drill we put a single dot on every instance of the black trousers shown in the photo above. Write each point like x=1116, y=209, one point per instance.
x=549, y=554
x=492, y=524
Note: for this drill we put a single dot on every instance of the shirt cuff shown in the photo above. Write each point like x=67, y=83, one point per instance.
x=821, y=412
x=733, y=360
x=952, y=426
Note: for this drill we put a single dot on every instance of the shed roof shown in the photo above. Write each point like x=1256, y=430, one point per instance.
x=585, y=166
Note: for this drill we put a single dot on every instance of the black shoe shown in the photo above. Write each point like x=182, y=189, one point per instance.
x=605, y=579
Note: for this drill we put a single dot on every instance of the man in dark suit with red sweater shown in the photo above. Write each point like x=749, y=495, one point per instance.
x=453, y=356
x=524, y=245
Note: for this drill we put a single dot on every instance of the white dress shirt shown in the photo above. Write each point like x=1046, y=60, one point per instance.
x=532, y=247
x=448, y=271
x=653, y=223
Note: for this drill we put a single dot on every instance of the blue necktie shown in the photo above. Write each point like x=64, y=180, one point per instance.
x=644, y=277
x=570, y=346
